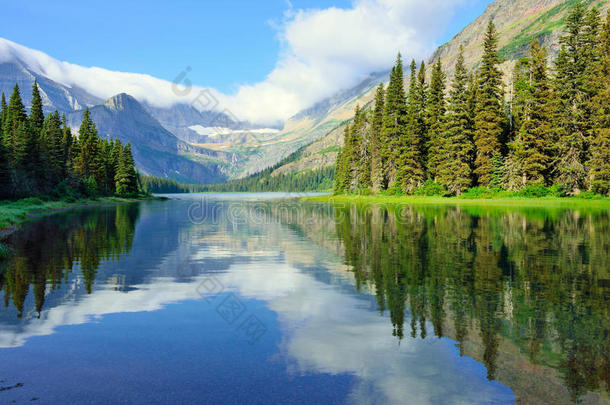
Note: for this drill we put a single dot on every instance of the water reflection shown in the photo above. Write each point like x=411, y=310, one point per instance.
x=47, y=251
x=420, y=304
x=536, y=280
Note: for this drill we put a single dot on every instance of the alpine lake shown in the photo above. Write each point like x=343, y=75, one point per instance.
x=266, y=298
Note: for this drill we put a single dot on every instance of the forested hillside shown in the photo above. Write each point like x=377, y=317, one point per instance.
x=554, y=130
x=319, y=179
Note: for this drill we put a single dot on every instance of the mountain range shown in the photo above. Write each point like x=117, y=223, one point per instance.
x=192, y=145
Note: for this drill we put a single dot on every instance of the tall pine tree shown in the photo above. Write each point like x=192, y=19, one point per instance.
x=3, y=115
x=15, y=116
x=489, y=117
x=435, y=115
x=362, y=150
x=52, y=136
x=457, y=153
x=599, y=164
x=36, y=113
x=126, y=177
x=343, y=169
x=88, y=158
x=536, y=133
x=575, y=88
x=412, y=173
x=393, y=131
x=378, y=179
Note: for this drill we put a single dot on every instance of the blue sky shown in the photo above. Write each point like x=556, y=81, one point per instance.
x=227, y=43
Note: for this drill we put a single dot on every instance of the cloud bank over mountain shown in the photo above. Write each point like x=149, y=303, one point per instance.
x=323, y=51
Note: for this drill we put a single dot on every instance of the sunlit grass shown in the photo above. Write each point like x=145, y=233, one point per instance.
x=15, y=212
x=565, y=202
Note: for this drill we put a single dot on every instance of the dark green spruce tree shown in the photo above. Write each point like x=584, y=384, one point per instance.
x=88, y=162
x=36, y=113
x=39, y=156
x=15, y=116
x=599, y=165
x=435, y=115
x=361, y=155
x=575, y=87
x=6, y=182
x=536, y=133
x=489, y=117
x=394, y=121
x=343, y=169
x=67, y=142
x=3, y=114
x=126, y=176
x=521, y=95
x=412, y=173
x=378, y=179
x=456, y=156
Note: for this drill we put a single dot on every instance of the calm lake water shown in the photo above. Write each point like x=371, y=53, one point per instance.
x=257, y=299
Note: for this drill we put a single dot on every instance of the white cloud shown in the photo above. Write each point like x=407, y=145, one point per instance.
x=333, y=49
x=323, y=51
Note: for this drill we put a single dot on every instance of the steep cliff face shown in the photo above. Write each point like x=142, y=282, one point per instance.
x=517, y=21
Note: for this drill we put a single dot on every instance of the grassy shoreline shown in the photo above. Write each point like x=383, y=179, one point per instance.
x=499, y=201
x=13, y=213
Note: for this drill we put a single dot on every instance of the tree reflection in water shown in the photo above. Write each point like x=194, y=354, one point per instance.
x=538, y=278
x=47, y=251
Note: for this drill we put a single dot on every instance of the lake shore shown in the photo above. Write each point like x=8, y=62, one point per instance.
x=541, y=202
x=13, y=213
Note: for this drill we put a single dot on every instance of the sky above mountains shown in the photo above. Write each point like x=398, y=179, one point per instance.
x=263, y=61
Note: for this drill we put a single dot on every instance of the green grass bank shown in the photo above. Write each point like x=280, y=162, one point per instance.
x=560, y=202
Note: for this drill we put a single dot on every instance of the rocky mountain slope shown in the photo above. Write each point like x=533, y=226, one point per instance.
x=156, y=150
x=55, y=96
x=518, y=21
x=261, y=150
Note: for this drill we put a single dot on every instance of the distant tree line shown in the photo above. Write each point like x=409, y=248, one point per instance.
x=554, y=130
x=161, y=185
x=318, y=179
x=309, y=180
x=40, y=156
